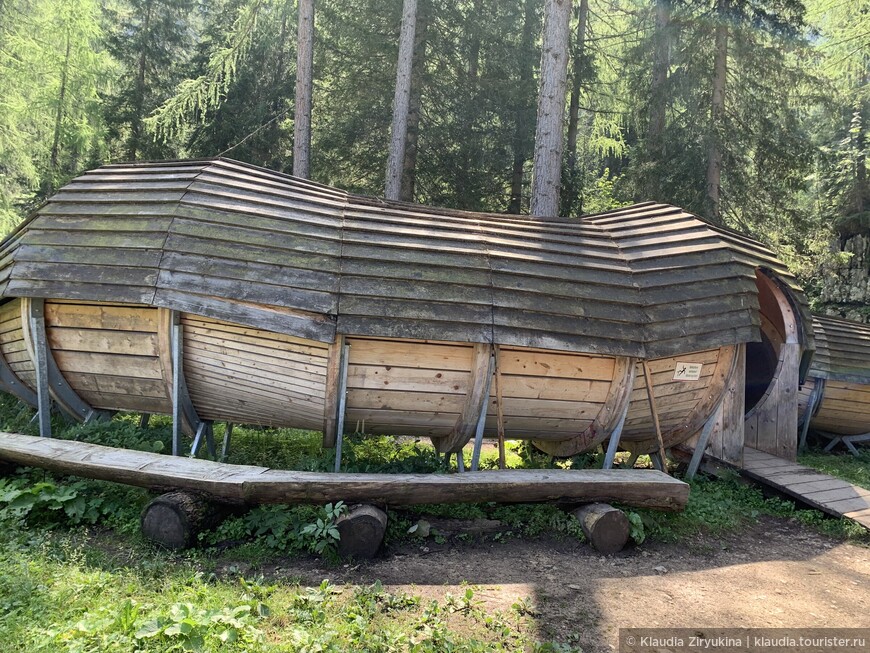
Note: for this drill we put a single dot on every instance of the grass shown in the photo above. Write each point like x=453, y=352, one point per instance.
x=76, y=576
x=59, y=593
x=855, y=469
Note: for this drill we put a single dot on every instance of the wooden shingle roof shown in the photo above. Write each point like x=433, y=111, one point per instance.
x=240, y=243
x=842, y=350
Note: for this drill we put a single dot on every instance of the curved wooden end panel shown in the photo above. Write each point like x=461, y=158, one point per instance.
x=607, y=419
x=476, y=400
x=684, y=409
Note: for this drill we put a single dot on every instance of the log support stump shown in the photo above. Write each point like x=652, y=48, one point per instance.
x=362, y=530
x=175, y=519
x=605, y=527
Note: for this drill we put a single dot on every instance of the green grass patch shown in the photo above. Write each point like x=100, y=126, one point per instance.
x=855, y=469
x=58, y=592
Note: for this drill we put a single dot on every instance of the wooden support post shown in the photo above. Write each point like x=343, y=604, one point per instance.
x=613, y=445
x=632, y=459
x=481, y=421
x=362, y=530
x=812, y=403
x=40, y=353
x=658, y=462
x=655, y=414
x=225, y=448
x=342, y=405
x=606, y=527
x=499, y=410
x=460, y=461
x=144, y=420
x=175, y=519
x=703, y=440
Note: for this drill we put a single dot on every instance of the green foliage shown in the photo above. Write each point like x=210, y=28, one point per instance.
x=195, y=629
x=62, y=502
x=855, y=469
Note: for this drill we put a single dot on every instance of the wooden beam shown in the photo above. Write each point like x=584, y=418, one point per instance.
x=481, y=420
x=475, y=401
x=330, y=404
x=655, y=415
x=248, y=484
x=225, y=448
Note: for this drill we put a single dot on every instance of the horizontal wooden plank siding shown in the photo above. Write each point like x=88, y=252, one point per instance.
x=241, y=244
x=109, y=355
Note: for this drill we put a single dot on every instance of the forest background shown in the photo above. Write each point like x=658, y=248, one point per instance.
x=751, y=113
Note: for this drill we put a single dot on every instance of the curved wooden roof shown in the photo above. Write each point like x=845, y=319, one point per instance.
x=842, y=350
x=237, y=242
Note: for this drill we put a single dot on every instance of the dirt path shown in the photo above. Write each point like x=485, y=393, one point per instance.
x=775, y=574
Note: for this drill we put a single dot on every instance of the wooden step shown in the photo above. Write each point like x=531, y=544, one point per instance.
x=252, y=485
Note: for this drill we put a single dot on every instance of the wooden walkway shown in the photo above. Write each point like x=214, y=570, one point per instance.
x=248, y=484
x=826, y=493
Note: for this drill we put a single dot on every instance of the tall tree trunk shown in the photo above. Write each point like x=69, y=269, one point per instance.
x=570, y=193
x=61, y=102
x=304, y=86
x=717, y=114
x=139, y=96
x=465, y=197
x=524, y=112
x=412, y=137
x=661, y=65
x=401, y=101
x=547, y=165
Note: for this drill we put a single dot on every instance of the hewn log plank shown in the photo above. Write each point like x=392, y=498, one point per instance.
x=239, y=483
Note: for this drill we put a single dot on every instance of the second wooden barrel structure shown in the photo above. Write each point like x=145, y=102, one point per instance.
x=538, y=328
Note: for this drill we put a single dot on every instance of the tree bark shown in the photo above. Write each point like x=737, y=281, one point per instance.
x=174, y=520
x=415, y=105
x=401, y=101
x=570, y=194
x=605, y=527
x=61, y=101
x=362, y=530
x=547, y=165
x=304, y=87
x=523, y=112
x=661, y=66
x=465, y=196
x=717, y=114
x=139, y=97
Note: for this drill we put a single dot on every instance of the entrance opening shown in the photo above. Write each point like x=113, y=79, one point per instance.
x=761, y=360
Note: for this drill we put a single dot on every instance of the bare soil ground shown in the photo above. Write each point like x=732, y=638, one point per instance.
x=773, y=574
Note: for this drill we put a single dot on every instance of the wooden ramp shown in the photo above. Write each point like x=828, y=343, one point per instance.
x=826, y=493
x=248, y=484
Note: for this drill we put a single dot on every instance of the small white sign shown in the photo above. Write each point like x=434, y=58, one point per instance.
x=687, y=371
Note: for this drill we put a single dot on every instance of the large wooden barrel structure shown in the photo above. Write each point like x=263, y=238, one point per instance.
x=835, y=399
x=294, y=304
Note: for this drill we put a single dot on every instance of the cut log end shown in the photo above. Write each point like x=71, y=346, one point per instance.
x=362, y=530
x=174, y=520
x=605, y=527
